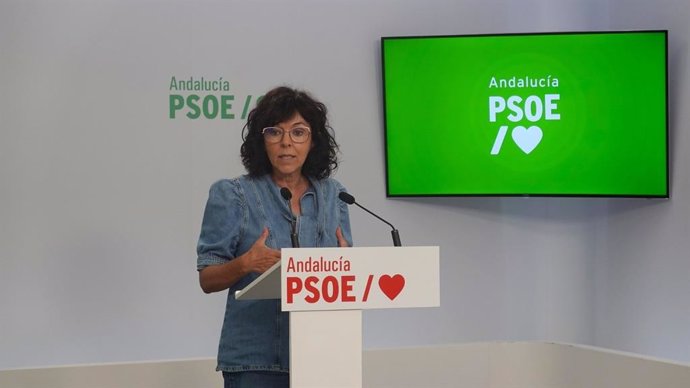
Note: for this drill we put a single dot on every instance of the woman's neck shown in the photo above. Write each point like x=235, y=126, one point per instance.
x=295, y=183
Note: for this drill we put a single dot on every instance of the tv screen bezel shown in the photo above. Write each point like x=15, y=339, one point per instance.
x=667, y=193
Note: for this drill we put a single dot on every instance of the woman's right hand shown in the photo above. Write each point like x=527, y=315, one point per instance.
x=259, y=257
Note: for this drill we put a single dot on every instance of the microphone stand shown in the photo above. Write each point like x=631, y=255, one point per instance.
x=394, y=232
x=294, y=238
x=349, y=199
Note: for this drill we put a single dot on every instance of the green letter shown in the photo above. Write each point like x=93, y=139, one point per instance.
x=226, y=106
x=210, y=114
x=176, y=103
x=195, y=112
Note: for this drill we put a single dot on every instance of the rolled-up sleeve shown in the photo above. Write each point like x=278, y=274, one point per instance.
x=221, y=227
x=344, y=215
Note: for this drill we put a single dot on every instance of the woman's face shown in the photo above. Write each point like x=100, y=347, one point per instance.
x=286, y=156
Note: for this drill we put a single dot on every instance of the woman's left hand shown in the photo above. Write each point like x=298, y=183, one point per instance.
x=341, y=239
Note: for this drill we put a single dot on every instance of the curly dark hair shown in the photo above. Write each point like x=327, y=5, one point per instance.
x=276, y=106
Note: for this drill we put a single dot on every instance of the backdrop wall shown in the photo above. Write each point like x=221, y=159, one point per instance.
x=102, y=190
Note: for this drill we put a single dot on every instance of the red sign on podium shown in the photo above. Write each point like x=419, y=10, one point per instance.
x=359, y=278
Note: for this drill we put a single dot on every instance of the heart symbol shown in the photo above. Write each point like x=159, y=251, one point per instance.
x=527, y=138
x=391, y=285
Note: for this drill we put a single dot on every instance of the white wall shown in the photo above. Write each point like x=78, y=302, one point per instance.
x=102, y=194
x=643, y=274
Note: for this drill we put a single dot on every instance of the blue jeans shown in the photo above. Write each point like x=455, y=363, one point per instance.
x=256, y=379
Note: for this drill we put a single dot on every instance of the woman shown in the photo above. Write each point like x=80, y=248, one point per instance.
x=287, y=144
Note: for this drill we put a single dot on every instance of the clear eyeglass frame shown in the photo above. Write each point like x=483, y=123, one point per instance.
x=275, y=134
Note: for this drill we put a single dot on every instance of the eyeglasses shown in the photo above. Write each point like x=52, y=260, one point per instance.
x=275, y=134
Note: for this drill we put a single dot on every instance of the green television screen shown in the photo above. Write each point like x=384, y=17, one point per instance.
x=548, y=114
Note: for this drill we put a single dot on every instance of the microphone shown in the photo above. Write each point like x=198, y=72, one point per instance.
x=285, y=193
x=349, y=199
x=287, y=196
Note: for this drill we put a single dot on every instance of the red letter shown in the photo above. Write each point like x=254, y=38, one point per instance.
x=309, y=284
x=346, y=284
x=294, y=285
x=333, y=295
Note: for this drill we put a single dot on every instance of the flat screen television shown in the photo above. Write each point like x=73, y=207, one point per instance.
x=535, y=114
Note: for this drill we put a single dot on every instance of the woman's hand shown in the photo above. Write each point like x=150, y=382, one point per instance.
x=259, y=257
x=341, y=239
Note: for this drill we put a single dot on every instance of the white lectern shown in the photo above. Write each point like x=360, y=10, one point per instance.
x=325, y=291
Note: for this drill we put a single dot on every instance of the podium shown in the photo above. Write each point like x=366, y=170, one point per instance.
x=325, y=291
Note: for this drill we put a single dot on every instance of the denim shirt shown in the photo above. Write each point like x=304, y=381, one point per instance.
x=255, y=333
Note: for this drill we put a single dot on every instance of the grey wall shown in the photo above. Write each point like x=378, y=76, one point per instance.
x=102, y=194
x=643, y=271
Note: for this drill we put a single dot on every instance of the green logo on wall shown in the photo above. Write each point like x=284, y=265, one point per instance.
x=201, y=98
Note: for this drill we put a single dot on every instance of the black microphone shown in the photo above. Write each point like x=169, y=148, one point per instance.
x=349, y=199
x=287, y=196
